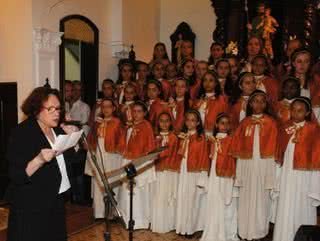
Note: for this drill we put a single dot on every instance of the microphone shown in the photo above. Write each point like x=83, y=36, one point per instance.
x=73, y=123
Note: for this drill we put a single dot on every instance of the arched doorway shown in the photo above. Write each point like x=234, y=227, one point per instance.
x=79, y=54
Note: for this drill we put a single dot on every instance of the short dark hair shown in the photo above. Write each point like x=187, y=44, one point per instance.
x=67, y=82
x=32, y=105
x=77, y=82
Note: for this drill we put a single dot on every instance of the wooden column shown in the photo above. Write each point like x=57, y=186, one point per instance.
x=220, y=9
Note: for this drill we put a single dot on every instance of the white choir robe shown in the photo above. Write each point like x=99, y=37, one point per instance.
x=191, y=199
x=142, y=196
x=221, y=209
x=298, y=198
x=164, y=203
x=316, y=111
x=109, y=162
x=255, y=178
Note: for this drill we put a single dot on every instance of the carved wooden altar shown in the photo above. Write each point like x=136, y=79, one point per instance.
x=296, y=17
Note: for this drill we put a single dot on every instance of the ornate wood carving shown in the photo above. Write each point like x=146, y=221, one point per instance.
x=220, y=9
x=308, y=22
x=231, y=20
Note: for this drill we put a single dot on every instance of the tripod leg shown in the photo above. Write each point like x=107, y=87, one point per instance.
x=107, y=205
x=131, y=221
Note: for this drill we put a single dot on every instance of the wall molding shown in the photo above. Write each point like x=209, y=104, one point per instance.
x=45, y=48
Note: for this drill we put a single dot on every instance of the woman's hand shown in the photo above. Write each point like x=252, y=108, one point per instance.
x=46, y=155
x=69, y=128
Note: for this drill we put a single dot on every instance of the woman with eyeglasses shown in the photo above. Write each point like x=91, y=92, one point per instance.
x=38, y=174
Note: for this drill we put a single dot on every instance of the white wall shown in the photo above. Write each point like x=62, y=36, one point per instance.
x=48, y=13
x=141, y=26
x=138, y=22
x=16, y=46
x=198, y=14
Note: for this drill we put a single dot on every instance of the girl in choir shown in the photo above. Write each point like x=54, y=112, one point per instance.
x=108, y=91
x=160, y=54
x=216, y=52
x=158, y=73
x=290, y=90
x=193, y=164
x=298, y=154
x=165, y=187
x=142, y=78
x=254, y=47
x=126, y=75
x=301, y=69
x=200, y=70
x=104, y=139
x=179, y=104
x=254, y=144
x=261, y=71
x=187, y=51
x=108, y=88
x=223, y=70
x=156, y=105
x=244, y=87
x=188, y=73
x=138, y=141
x=211, y=101
x=171, y=73
x=284, y=68
x=221, y=214
x=126, y=108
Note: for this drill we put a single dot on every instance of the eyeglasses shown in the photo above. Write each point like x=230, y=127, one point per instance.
x=52, y=109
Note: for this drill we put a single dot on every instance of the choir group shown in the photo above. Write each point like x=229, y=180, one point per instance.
x=242, y=138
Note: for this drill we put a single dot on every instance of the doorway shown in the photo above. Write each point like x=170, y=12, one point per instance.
x=8, y=120
x=79, y=55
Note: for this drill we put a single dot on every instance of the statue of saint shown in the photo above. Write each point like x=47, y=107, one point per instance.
x=264, y=26
x=256, y=27
x=269, y=28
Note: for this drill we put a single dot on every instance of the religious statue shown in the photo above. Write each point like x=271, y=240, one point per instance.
x=269, y=28
x=264, y=27
x=178, y=47
x=181, y=35
x=256, y=27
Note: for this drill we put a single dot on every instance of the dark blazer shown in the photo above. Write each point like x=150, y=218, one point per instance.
x=39, y=191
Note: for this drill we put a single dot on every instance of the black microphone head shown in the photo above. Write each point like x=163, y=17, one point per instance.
x=73, y=123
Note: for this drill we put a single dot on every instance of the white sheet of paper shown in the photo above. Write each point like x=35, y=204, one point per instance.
x=64, y=142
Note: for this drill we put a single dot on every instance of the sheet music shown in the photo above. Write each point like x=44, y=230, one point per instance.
x=64, y=142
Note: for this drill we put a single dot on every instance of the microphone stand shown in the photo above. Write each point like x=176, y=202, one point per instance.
x=131, y=173
x=108, y=198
